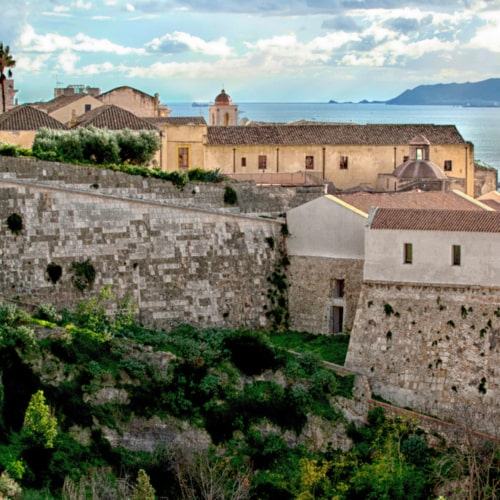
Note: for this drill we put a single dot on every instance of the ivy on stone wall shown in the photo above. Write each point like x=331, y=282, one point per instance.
x=279, y=315
x=83, y=274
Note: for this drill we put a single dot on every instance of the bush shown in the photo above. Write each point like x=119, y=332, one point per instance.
x=230, y=196
x=54, y=272
x=83, y=274
x=251, y=353
x=15, y=223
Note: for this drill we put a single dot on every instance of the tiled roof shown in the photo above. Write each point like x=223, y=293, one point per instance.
x=469, y=221
x=335, y=134
x=113, y=118
x=59, y=102
x=177, y=120
x=441, y=200
x=27, y=117
x=492, y=199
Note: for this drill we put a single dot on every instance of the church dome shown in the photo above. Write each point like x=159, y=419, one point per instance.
x=418, y=169
x=223, y=99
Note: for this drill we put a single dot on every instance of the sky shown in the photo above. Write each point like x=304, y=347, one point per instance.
x=258, y=50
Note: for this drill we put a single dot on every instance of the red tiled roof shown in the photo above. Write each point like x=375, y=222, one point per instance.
x=335, y=134
x=59, y=102
x=113, y=118
x=492, y=199
x=177, y=120
x=469, y=221
x=412, y=199
x=27, y=117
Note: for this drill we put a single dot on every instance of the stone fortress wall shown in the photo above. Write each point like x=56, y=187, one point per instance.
x=433, y=349
x=206, y=266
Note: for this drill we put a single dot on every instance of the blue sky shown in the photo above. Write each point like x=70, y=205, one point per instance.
x=259, y=51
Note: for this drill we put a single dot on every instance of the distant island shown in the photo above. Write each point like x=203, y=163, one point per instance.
x=478, y=94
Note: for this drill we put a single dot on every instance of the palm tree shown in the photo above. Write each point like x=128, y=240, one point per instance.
x=6, y=62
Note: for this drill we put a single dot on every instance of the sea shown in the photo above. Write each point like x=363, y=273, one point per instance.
x=481, y=126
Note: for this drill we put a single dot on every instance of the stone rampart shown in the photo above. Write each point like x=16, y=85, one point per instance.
x=433, y=349
x=252, y=198
x=180, y=264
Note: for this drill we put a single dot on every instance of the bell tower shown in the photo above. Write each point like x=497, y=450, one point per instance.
x=223, y=112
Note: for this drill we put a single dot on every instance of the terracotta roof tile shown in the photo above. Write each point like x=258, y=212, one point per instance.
x=177, y=120
x=469, y=221
x=27, y=117
x=411, y=199
x=113, y=118
x=58, y=102
x=335, y=134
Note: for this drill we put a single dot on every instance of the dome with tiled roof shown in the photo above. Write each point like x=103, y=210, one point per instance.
x=418, y=169
x=223, y=99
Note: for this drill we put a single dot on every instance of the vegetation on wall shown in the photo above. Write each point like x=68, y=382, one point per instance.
x=15, y=223
x=54, y=272
x=253, y=412
x=83, y=274
x=230, y=195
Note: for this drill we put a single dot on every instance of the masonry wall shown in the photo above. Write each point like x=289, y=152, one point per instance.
x=252, y=199
x=434, y=349
x=179, y=264
x=312, y=291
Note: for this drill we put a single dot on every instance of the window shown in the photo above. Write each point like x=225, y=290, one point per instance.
x=419, y=154
x=309, y=162
x=456, y=255
x=337, y=319
x=243, y=162
x=405, y=158
x=447, y=165
x=408, y=253
x=338, y=288
x=262, y=162
x=183, y=157
x=343, y=162
x=88, y=107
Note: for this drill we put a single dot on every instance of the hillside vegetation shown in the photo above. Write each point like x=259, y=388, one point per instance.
x=94, y=406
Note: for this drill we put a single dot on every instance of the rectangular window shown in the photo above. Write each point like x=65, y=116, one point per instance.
x=243, y=162
x=88, y=107
x=183, y=157
x=419, y=154
x=343, y=163
x=262, y=162
x=408, y=253
x=447, y=165
x=337, y=319
x=309, y=162
x=338, y=288
x=456, y=255
x=405, y=158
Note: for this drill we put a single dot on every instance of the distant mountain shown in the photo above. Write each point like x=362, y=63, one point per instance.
x=481, y=94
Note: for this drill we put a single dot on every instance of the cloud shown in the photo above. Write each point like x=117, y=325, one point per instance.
x=179, y=42
x=12, y=19
x=54, y=42
x=341, y=23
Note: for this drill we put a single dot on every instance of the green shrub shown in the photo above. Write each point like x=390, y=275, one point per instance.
x=251, y=352
x=83, y=274
x=54, y=272
x=230, y=196
x=15, y=223
x=8, y=150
